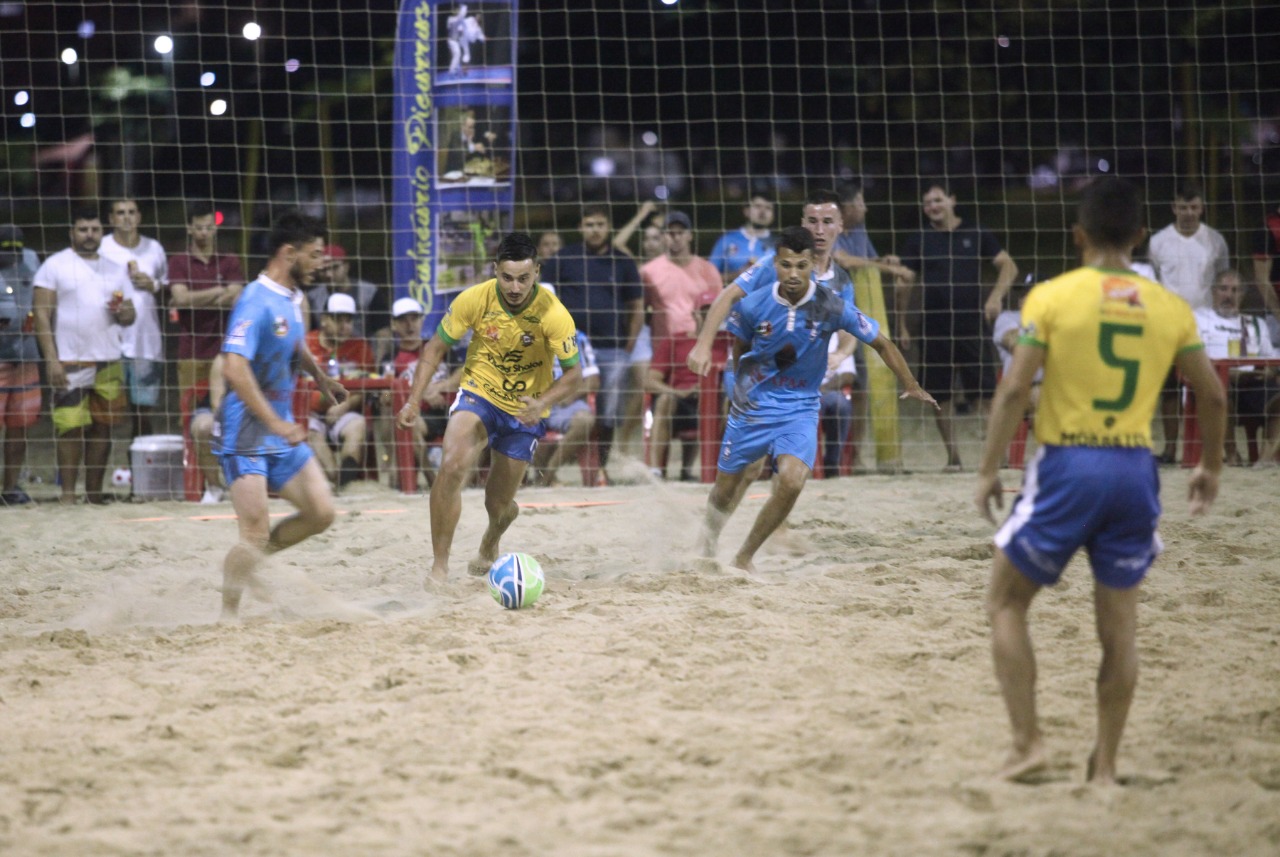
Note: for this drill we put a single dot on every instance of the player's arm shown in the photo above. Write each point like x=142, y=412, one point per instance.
x=1262, y=280
x=893, y=358
x=433, y=351
x=1010, y=406
x=699, y=359
x=238, y=374
x=331, y=387
x=1006, y=271
x=43, y=303
x=1211, y=413
x=850, y=262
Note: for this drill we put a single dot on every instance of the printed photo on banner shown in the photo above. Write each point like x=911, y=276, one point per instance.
x=475, y=43
x=475, y=146
x=468, y=242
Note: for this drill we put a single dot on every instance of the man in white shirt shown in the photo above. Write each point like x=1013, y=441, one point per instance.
x=148, y=268
x=94, y=301
x=1227, y=333
x=1187, y=254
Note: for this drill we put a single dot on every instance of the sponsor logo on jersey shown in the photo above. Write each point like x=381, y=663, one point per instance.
x=764, y=328
x=280, y=326
x=491, y=332
x=240, y=332
x=526, y=339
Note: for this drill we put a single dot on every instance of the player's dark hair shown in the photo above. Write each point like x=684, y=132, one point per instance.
x=295, y=228
x=1110, y=212
x=1188, y=191
x=594, y=209
x=200, y=209
x=797, y=239
x=85, y=212
x=940, y=184
x=823, y=197
x=517, y=247
x=849, y=190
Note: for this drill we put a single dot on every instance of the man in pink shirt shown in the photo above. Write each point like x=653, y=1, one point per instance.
x=676, y=286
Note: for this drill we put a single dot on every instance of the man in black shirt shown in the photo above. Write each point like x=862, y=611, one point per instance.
x=600, y=287
x=946, y=260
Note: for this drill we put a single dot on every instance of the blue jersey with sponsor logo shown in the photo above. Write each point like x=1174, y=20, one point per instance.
x=736, y=250
x=265, y=328
x=782, y=372
x=762, y=274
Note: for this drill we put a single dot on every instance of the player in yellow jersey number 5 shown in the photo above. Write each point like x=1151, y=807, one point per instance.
x=506, y=392
x=1106, y=338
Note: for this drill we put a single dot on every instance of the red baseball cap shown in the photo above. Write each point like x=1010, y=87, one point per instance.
x=335, y=251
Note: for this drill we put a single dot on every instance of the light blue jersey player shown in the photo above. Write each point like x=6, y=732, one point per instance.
x=259, y=445
x=781, y=353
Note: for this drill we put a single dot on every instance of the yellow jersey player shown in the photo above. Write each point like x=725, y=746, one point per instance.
x=1106, y=338
x=517, y=328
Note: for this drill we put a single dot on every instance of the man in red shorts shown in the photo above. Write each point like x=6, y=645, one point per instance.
x=19, y=362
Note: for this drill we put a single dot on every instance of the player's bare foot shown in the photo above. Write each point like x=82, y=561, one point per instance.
x=744, y=563
x=1022, y=763
x=438, y=575
x=479, y=566
x=492, y=537
x=1097, y=775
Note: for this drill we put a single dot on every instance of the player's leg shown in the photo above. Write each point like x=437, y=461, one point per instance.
x=1008, y=599
x=308, y=491
x=724, y=498
x=788, y=482
x=505, y=476
x=97, y=449
x=664, y=406
x=1116, y=612
x=464, y=439
x=249, y=499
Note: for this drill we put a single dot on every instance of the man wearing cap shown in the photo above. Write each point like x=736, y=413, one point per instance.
x=406, y=328
x=675, y=284
x=148, y=268
x=81, y=345
x=342, y=425
x=19, y=361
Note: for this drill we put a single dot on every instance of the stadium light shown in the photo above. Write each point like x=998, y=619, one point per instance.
x=291, y=65
x=252, y=31
x=218, y=106
x=603, y=167
x=1104, y=166
x=86, y=29
x=208, y=79
x=661, y=192
x=21, y=97
x=1003, y=41
x=164, y=44
x=69, y=56
x=670, y=2
x=28, y=120
x=649, y=138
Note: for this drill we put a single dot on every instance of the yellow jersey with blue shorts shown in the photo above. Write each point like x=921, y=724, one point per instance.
x=1109, y=338
x=510, y=353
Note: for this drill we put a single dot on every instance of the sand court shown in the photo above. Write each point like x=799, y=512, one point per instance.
x=838, y=701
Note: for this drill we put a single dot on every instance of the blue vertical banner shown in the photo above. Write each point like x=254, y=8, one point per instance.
x=453, y=164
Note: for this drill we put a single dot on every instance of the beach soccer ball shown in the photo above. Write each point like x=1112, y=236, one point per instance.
x=122, y=477
x=515, y=580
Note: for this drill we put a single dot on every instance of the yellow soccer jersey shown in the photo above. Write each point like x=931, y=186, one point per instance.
x=1110, y=338
x=510, y=355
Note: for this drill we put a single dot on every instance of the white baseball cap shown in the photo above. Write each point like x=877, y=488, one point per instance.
x=340, y=304
x=404, y=306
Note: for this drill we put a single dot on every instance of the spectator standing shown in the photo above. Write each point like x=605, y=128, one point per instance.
x=19, y=361
x=339, y=425
x=945, y=260
x=677, y=285
x=82, y=300
x=600, y=287
x=1187, y=254
x=148, y=268
x=572, y=420
x=853, y=248
x=335, y=278
x=736, y=251
x=1252, y=395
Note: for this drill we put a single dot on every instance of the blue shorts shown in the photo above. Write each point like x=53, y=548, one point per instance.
x=278, y=467
x=1104, y=499
x=144, y=378
x=747, y=439
x=507, y=435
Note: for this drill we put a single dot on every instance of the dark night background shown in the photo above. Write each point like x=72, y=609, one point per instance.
x=789, y=96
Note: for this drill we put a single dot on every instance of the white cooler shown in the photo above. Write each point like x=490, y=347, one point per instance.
x=156, y=460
